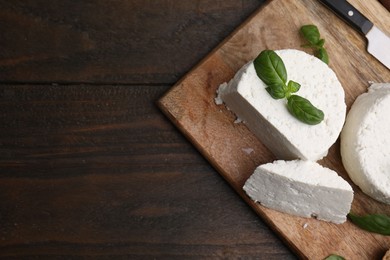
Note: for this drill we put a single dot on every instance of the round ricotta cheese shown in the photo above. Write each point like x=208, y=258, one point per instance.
x=365, y=142
x=269, y=119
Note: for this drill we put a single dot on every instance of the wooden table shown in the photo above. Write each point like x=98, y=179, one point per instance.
x=89, y=166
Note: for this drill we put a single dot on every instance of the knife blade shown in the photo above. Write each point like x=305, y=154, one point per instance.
x=378, y=42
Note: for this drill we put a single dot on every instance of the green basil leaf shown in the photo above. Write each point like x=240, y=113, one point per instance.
x=320, y=43
x=303, y=110
x=277, y=92
x=293, y=86
x=334, y=257
x=310, y=33
x=376, y=223
x=322, y=54
x=270, y=69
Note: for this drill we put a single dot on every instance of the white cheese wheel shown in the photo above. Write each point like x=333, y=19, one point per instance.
x=269, y=119
x=301, y=188
x=365, y=142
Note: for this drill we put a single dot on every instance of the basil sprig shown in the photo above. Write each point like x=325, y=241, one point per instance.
x=312, y=35
x=271, y=70
x=376, y=223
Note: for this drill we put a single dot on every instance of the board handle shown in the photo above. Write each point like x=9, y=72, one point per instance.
x=350, y=14
x=386, y=4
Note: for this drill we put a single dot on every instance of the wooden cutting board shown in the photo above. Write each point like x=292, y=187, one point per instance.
x=234, y=151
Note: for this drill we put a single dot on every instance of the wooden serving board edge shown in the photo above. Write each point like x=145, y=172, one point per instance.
x=193, y=141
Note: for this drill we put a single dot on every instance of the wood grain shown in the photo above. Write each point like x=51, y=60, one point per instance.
x=190, y=105
x=98, y=172
x=139, y=42
x=89, y=167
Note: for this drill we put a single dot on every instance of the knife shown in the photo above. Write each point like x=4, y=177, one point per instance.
x=378, y=42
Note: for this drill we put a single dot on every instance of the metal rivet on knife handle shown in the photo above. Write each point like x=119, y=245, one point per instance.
x=349, y=14
x=378, y=42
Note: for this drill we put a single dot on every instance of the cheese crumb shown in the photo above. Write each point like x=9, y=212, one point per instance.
x=238, y=120
x=247, y=150
x=218, y=100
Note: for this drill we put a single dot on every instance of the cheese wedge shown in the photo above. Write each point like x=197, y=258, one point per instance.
x=301, y=188
x=269, y=119
x=365, y=142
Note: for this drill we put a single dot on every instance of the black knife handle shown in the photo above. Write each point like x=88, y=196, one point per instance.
x=350, y=14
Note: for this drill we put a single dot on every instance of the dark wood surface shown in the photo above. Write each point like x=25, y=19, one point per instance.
x=89, y=167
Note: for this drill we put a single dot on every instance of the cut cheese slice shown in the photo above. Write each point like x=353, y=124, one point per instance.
x=301, y=188
x=269, y=119
x=365, y=142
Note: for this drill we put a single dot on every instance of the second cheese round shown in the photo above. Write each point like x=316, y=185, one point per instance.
x=269, y=119
x=365, y=142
